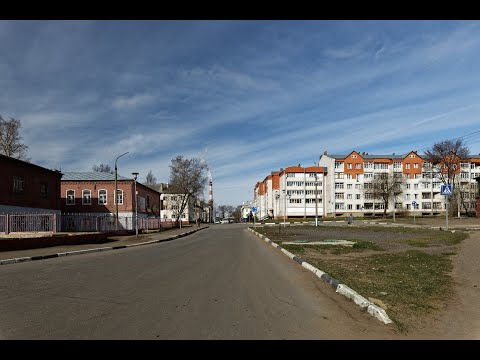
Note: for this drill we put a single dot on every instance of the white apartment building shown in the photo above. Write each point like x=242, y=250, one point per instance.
x=171, y=200
x=291, y=192
x=347, y=175
x=340, y=187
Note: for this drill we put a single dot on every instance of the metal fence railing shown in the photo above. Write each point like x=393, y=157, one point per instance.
x=18, y=223
x=68, y=222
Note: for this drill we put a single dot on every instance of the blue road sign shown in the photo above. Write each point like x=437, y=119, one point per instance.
x=254, y=209
x=414, y=203
x=447, y=190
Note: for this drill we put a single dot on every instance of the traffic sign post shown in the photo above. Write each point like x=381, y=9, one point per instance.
x=446, y=191
x=414, y=203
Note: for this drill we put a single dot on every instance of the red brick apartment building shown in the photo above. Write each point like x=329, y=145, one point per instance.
x=93, y=193
x=28, y=188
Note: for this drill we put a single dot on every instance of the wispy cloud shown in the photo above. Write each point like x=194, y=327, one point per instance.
x=258, y=95
x=128, y=102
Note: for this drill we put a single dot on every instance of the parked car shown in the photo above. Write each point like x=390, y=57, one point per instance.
x=224, y=221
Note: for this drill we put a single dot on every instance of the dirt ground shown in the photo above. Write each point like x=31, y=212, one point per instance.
x=457, y=318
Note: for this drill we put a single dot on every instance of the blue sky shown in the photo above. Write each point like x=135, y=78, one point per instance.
x=249, y=97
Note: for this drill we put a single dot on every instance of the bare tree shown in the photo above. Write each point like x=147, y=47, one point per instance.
x=237, y=213
x=189, y=176
x=10, y=140
x=222, y=211
x=151, y=179
x=103, y=168
x=445, y=158
x=384, y=187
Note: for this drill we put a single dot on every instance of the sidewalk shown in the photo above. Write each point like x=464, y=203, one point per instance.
x=117, y=242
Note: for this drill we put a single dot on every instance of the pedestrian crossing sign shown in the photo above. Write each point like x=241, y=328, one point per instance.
x=447, y=190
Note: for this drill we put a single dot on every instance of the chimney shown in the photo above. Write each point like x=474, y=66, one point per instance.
x=363, y=152
x=325, y=152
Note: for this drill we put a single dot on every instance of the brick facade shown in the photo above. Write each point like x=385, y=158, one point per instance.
x=25, y=186
x=149, y=199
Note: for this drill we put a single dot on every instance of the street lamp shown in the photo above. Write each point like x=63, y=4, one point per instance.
x=277, y=196
x=116, y=192
x=135, y=174
x=316, y=196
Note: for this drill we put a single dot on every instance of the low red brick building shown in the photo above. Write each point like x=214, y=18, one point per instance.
x=93, y=193
x=28, y=188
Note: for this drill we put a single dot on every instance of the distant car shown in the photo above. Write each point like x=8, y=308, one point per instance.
x=217, y=222
x=224, y=221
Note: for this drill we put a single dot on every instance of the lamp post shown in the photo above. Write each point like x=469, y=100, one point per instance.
x=116, y=192
x=316, y=196
x=135, y=174
x=277, y=196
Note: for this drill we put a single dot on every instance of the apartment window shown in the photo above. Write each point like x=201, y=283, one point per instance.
x=295, y=201
x=354, y=156
x=339, y=175
x=148, y=201
x=407, y=196
x=294, y=183
x=43, y=190
x=18, y=184
x=415, y=166
x=426, y=206
x=464, y=175
x=338, y=185
x=411, y=156
x=339, y=195
x=368, y=165
x=379, y=206
x=397, y=165
x=340, y=206
x=349, y=196
x=290, y=174
x=358, y=166
x=70, y=197
x=119, y=199
x=437, y=205
x=86, y=197
x=368, y=175
x=426, y=196
x=358, y=207
x=358, y=186
x=381, y=166
x=416, y=196
x=349, y=207
x=425, y=185
x=294, y=192
x=357, y=196
x=368, y=206
x=369, y=196
x=349, y=186
x=407, y=176
x=102, y=197
x=349, y=166
x=407, y=166
x=338, y=164
x=407, y=186
x=349, y=176
x=415, y=186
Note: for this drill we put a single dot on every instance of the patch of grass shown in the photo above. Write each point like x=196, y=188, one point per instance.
x=295, y=249
x=415, y=282
x=367, y=245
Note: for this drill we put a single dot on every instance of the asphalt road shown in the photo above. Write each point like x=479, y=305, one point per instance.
x=219, y=283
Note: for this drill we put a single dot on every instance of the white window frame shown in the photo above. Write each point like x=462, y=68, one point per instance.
x=115, y=199
x=66, y=197
x=106, y=197
x=89, y=198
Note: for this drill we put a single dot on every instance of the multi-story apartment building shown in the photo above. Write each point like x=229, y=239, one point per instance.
x=290, y=192
x=172, y=198
x=348, y=174
x=341, y=183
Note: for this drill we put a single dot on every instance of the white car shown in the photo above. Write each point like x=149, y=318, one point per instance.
x=224, y=221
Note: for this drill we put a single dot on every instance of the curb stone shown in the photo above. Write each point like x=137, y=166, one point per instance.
x=87, y=251
x=342, y=289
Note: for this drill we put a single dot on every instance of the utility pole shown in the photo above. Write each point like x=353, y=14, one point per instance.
x=116, y=191
x=316, y=196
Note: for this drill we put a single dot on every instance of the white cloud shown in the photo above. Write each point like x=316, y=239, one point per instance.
x=129, y=102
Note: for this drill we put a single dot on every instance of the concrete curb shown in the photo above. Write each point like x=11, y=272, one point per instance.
x=87, y=251
x=342, y=289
